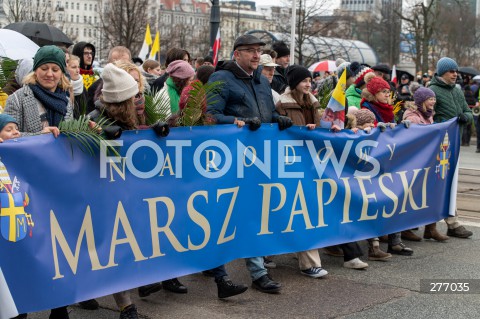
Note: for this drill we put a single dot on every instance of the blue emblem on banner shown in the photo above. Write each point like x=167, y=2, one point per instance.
x=443, y=157
x=13, y=220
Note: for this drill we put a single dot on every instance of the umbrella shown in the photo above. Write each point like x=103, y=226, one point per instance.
x=468, y=70
x=16, y=46
x=401, y=72
x=41, y=33
x=327, y=65
x=476, y=78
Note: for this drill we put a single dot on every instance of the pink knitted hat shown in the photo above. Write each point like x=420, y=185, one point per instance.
x=180, y=69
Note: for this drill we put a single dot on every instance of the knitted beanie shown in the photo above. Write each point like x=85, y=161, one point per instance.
x=364, y=116
x=281, y=48
x=375, y=84
x=180, y=69
x=358, y=72
x=421, y=95
x=341, y=66
x=446, y=64
x=118, y=85
x=296, y=74
x=5, y=119
x=49, y=54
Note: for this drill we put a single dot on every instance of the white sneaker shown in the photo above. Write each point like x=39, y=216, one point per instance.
x=314, y=272
x=355, y=264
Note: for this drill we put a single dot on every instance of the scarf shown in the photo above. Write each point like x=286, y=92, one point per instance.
x=77, y=86
x=54, y=102
x=427, y=113
x=383, y=111
x=173, y=95
x=87, y=72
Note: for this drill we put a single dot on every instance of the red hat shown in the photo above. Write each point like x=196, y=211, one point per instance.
x=376, y=84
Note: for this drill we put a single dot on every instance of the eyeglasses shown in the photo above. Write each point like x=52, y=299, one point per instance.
x=252, y=51
x=453, y=71
x=88, y=53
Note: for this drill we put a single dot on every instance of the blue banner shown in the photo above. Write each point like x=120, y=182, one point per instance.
x=204, y=196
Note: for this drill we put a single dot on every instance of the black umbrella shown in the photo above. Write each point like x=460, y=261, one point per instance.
x=401, y=72
x=41, y=33
x=468, y=70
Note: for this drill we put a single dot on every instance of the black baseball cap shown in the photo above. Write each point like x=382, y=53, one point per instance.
x=247, y=39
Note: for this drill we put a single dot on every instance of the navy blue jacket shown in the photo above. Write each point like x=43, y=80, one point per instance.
x=241, y=95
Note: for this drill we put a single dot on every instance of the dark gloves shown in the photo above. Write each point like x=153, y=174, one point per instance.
x=112, y=132
x=462, y=119
x=284, y=122
x=161, y=129
x=254, y=123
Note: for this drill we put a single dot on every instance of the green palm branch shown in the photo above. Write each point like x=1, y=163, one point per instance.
x=7, y=70
x=157, y=107
x=87, y=138
x=324, y=94
x=201, y=95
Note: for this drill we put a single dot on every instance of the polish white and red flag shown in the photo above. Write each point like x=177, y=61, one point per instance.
x=216, y=48
x=394, y=75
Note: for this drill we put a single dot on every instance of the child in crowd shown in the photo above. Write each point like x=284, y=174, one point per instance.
x=421, y=112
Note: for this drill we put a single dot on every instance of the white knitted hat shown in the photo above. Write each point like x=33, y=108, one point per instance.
x=118, y=85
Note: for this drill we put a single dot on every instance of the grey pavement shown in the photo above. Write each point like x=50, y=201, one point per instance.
x=385, y=290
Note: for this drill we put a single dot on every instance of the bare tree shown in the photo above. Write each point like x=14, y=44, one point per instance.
x=307, y=27
x=123, y=22
x=456, y=36
x=421, y=21
x=22, y=10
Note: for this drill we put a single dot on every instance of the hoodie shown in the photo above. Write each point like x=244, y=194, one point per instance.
x=78, y=51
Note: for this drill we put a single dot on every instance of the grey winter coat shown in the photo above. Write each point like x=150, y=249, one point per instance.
x=24, y=107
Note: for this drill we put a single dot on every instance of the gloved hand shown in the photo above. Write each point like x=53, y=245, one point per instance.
x=284, y=122
x=406, y=123
x=253, y=122
x=112, y=132
x=382, y=126
x=462, y=119
x=161, y=129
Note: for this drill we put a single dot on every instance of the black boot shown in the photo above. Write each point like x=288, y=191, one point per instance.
x=147, y=290
x=90, y=304
x=266, y=284
x=174, y=285
x=226, y=288
x=59, y=313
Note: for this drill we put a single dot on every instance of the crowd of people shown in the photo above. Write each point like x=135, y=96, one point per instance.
x=258, y=86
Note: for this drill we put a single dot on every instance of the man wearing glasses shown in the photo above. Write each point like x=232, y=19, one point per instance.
x=86, y=52
x=450, y=103
x=246, y=98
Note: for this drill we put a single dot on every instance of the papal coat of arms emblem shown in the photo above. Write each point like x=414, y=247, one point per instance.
x=14, y=221
x=443, y=158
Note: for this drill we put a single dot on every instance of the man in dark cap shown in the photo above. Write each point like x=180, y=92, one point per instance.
x=279, y=83
x=246, y=98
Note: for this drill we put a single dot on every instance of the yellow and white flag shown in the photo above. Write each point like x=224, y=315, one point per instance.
x=155, y=47
x=143, y=54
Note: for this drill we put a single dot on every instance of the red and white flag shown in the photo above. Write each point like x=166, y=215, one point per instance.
x=216, y=48
x=394, y=75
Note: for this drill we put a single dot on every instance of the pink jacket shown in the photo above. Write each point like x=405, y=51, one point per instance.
x=416, y=117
